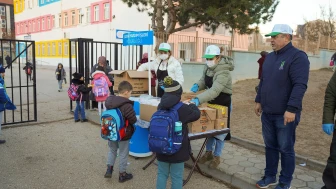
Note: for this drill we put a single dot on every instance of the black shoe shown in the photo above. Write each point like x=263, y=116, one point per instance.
x=109, y=171
x=77, y=120
x=2, y=141
x=85, y=120
x=123, y=177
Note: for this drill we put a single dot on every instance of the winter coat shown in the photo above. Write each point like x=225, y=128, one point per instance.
x=5, y=102
x=96, y=75
x=153, y=79
x=333, y=57
x=330, y=102
x=187, y=114
x=63, y=74
x=222, y=80
x=82, y=89
x=284, y=80
x=125, y=106
x=174, y=68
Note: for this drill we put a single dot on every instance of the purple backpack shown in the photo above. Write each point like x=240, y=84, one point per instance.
x=100, y=87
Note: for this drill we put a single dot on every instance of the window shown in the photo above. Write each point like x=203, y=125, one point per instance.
x=43, y=49
x=80, y=16
x=59, y=20
x=48, y=22
x=33, y=29
x=65, y=19
x=73, y=17
x=21, y=8
x=53, y=21
x=53, y=49
x=3, y=11
x=88, y=15
x=48, y=49
x=29, y=27
x=18, y=28
x=106, y=11
x=3, y=24
x=43, y=24
x=96, y=13
x=22, y=28
x=60, y=48
x=38, y=25
x=38, y=49
x=16, y=7
x=66, y=48
x=73, y=48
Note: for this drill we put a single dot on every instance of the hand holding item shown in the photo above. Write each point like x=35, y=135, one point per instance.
x=257, y=109
x=194, y=88
x=328, y=128
x=195, y=101
x=57, y=73
x=289, y=117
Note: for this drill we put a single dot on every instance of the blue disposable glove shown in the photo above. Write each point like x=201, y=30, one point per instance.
x=328, y=128
x=195, y=101
x=162, y=87
x=194, y=88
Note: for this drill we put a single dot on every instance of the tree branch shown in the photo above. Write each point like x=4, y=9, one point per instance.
x=188, y=26
x=171, y=17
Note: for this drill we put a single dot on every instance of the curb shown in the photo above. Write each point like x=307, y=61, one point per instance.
x=310, y=163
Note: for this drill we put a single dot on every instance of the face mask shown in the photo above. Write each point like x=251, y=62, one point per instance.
x=210, y=63
x=163, y=56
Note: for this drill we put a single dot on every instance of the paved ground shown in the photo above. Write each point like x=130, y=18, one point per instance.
x=68, y=155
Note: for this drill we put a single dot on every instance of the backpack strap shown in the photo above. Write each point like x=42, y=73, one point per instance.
x=177, y=106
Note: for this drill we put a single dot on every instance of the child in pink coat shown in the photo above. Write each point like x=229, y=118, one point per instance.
x=101, y=84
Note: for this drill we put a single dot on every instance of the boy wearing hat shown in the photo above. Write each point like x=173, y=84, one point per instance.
x=5, y=102
x=173, y=165
x=83, y=92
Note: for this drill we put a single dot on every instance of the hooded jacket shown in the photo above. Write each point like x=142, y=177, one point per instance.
x=82, y=89
x=5, y=102
x=125, y=106
x=222, y=80
x=96, y=75
x=187, y=114
x=284, y=80
x=329, y=107
x=174, y=68
x=62, y=71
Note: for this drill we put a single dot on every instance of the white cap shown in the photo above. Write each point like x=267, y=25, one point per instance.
x=164, y=47
x=211, y=51
x=280, y=29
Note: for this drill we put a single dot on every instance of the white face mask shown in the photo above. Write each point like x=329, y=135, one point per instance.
x=163, y=56
x=210, y=63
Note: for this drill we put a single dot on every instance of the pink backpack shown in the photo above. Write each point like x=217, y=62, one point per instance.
x=100, y=87
x=73, y=92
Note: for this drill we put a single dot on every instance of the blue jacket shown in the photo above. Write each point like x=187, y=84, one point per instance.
x=283, y=82
x=5, y=102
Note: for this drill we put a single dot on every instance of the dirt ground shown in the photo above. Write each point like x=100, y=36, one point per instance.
x=311, y=141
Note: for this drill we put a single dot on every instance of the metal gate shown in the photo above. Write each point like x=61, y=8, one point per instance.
x=21, y=89
x=84, y=53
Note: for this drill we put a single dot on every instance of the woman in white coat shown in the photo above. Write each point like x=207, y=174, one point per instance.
x=164, y=65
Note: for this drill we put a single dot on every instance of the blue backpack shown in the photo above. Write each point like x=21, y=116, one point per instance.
x=162, y=136
x=114, y=127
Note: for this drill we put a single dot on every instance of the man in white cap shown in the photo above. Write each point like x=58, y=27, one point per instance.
x=282, y=86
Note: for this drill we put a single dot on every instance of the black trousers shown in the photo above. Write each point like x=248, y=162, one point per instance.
x=329, y=174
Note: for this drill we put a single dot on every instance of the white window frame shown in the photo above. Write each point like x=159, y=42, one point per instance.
x=66, y=48
x=106, y=11
x=73, y=18
x=60, y=48
x=66, y=19
x=88, y=15
x=43, y=24
x=96, y=13
x=48, y=23
x=80, y=19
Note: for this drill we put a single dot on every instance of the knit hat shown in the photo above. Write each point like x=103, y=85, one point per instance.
x=100, y=68
x=171, y=85
x=2, y=70
x=102, y=59
x=77, y=75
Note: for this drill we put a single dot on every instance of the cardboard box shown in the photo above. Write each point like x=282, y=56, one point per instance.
x=138, y=79
x=221, y=123
x=146, y=111
x=222, y=111
x=206, y=122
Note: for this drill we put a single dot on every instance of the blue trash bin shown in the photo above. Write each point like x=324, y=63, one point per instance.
x=139, y=143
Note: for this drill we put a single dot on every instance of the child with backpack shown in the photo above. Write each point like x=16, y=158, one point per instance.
x=28, y=69
x=101, y=85
x=79, y=92
x=60, y=75
x=171, y=157
x=119, y=108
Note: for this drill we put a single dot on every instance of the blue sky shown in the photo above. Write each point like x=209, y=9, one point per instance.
x=294, y=12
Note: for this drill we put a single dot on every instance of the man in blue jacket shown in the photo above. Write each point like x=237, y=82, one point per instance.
x=279, y=102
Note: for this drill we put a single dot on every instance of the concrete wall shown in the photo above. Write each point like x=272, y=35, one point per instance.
x=246, y=66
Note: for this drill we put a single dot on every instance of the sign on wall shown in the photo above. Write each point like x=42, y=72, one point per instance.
x=138, y=38
x=120, y=33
